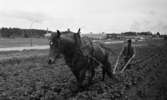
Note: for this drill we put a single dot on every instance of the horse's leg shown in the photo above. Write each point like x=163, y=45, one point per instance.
x=109, y=71
x=82, y=77
x=91, y=71
x=103, y=72
x=92, y=74
x=106, y=66
x=76, y=74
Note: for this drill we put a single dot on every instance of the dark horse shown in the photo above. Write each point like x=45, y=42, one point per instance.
x=80, y=54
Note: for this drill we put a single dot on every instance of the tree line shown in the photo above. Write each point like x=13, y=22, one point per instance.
x=18, y=32
x=39, y=33
x=136, y=33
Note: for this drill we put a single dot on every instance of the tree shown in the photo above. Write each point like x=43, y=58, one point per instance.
x=17, y=32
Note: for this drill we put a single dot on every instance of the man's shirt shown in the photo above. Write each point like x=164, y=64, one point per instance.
x=128, y=51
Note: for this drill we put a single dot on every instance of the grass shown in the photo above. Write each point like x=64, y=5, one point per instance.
x=17, y=42
x=22, y=54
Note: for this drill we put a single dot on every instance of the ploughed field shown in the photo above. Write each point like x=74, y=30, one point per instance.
x=27, y=76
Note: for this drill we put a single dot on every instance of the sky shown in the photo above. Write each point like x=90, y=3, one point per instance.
x=89, y=15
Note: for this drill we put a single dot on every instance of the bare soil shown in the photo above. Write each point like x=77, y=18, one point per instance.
x=31, y=78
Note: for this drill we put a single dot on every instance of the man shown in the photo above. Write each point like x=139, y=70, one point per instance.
x=128, y=51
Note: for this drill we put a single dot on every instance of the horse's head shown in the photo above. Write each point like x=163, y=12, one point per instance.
x=63, y=43
x=54, y=43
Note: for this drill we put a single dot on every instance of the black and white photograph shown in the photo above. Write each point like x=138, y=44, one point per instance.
x=83, y=49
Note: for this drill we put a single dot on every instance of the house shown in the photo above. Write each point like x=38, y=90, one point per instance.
x=95, y=36
x=113, y=36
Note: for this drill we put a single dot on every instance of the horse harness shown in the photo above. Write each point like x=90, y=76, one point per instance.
x=89, y=55
x=81, y=53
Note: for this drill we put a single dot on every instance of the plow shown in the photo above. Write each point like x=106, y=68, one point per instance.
x=119, y=66
x=123, y=66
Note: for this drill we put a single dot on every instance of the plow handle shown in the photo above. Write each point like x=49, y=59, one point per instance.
x=129, y=60
x=127, y=64
x=115, y=67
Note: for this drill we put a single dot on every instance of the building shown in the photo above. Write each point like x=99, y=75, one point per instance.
x=95, y=36
x=113, y=36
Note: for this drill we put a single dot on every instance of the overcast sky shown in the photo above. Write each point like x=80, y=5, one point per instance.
x=89, y=15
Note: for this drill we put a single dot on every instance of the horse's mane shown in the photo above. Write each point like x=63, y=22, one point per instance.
x=86, y=41
x=86, y=45
x=67, y=32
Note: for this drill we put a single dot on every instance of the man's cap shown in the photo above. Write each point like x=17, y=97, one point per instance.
x=129, y=40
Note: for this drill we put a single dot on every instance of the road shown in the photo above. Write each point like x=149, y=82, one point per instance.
x=37, y=47
x=42, y=47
